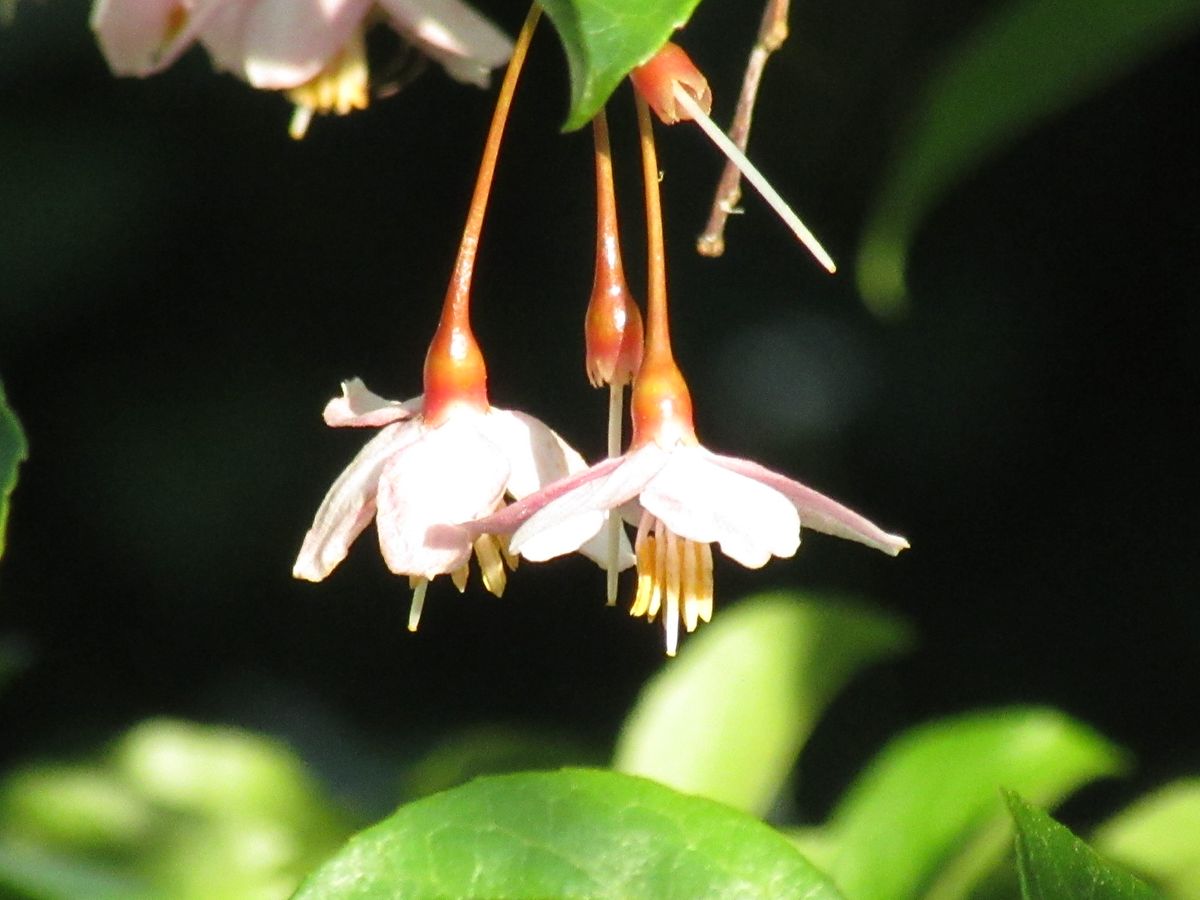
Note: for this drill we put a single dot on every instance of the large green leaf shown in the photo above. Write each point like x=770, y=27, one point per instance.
x=727, y=719
x=1029, y=60
x=1053, y=863
x=1159, y=837
x=925, y=814
x=604, y=39
x=571, y=833
x=13, y=450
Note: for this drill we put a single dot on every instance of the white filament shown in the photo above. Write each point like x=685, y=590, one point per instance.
x=755, y=177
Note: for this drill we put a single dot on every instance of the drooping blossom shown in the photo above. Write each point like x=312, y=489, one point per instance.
x=448, y=456
x=682, y=497
x=422, y=475
x=314, y=50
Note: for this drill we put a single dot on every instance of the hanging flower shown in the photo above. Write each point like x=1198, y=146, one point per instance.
x=420, y=478
x=312, y=49
x=448, y=456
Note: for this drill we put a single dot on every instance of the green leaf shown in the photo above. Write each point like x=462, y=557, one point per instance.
x=13, y=451
x=924, y=818
x=727, y=719
x=30, y=872
x=1159, y=837
x=1028, y=61
x=604, y=39
x=572, y=833
x=1053, y=863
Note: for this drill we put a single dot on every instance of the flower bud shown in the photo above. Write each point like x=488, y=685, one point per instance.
x=656, y=81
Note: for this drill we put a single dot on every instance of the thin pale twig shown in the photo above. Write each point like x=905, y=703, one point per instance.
x=772, y=32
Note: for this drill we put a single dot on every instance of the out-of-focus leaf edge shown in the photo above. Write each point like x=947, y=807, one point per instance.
x=14, y=450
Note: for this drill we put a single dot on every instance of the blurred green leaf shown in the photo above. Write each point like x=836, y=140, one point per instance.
x=927, y=807
x=493, y=750
x=13, y=450
x=1053, y=863
x=188, y=811
x=604, y=40
x=1025, y=63
x=31, y=873
x=1158, y=837
x=727, y=719
x=572, y=833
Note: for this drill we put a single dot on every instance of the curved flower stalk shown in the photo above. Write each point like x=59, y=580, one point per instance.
x=446, y=457
x=314, y=50
x=683, y=497
x=677, y=92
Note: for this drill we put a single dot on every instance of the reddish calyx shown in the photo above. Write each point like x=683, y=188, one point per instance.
x=613, y=327
x=655, y=82
x=455, y=374
x=661, y=405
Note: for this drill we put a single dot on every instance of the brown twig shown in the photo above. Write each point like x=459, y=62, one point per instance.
x=772, y=32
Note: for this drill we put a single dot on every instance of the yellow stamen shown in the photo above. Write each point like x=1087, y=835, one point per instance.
x=674, y=574
x=459, y=577
x=340, y=87
x=418, y=602
x=491, y=564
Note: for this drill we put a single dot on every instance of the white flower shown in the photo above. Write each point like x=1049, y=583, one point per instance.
x=313, y=49
x=683, y=498
x=421, y=481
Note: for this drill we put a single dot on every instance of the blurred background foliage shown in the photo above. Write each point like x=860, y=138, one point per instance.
x=182, y=287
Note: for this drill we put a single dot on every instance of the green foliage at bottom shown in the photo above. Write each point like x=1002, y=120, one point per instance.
x=1054, y=864
x=572, y=833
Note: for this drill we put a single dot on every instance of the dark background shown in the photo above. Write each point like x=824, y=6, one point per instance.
x=182, y=287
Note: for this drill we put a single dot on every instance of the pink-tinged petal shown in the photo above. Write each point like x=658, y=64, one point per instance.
x=564, y=523
x=223, y=36
x=706, y=503
x=539, y=457
x=350, y=503
x=287, y=42
x=817, y=511
x=467, y=45
x=359, y=407
x=133, y=33
x=452, y=474
x=513, y=516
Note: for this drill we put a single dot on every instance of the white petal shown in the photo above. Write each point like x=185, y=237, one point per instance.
x=564, y=523
x=468, y=45
x=350, y=503
x=537, y=454
x=359, y=407
x=132, y=33
x=287, y=42
x=817, y=511
x=702, y=501
x=453, y=474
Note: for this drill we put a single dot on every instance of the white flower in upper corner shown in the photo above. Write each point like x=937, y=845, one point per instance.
x=683, y=499
x=420, y=481
x=313, y=49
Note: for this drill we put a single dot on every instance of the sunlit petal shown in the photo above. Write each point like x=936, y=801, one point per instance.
x=350, y=503
x=575, y=515
x=453, y=474
x=361, y=407
x=817, y=511
x=287, y=42
x=467, y=45
x=704, y=502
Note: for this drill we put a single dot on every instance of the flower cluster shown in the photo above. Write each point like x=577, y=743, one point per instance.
x=448, y=476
